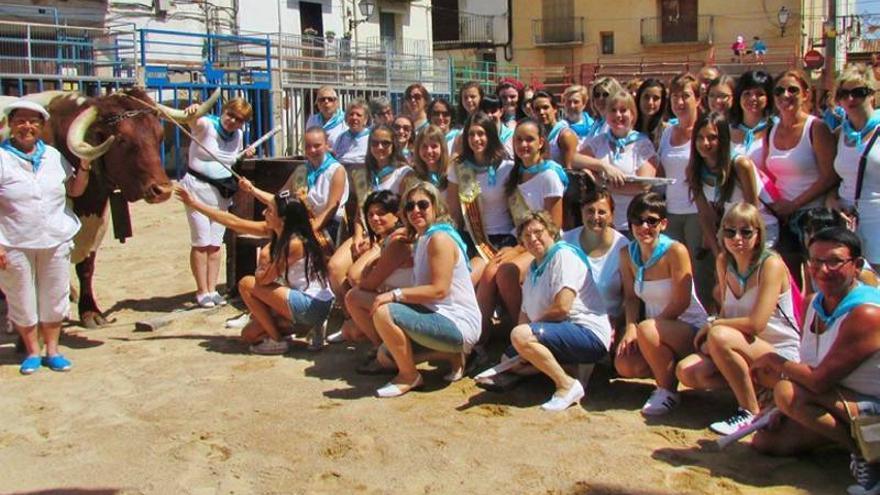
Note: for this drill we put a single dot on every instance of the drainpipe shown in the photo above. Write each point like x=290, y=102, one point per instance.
x=508, y=47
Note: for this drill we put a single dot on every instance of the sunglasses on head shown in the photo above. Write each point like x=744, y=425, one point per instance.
x=649, y=221
x=744, y=233
x=422, y=204
x=857, y=93
x=792, y=90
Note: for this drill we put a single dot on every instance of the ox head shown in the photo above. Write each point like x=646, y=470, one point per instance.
x=127, y=137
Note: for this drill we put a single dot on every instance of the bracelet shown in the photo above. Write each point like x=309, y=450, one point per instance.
x=397, y=295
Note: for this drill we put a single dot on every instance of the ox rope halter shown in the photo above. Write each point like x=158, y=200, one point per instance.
x=116, y=119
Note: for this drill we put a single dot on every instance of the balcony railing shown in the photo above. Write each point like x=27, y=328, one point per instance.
x=663, y=30
x=473, y=29
x=408, y=46
x=558, y=31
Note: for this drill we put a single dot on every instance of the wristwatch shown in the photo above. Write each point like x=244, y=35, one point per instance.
x=397, y=295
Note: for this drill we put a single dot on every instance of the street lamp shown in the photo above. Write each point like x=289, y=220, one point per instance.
x=783, y=17
x=366, y=8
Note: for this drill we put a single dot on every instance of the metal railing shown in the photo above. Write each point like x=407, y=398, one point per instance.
x=661, y=30
x=406, y=46
x=486, y=73
x=558, y=31
x=473, y=29
x=66, y=51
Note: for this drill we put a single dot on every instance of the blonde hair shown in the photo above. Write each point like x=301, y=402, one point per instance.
x=441, y=215
x=750, y=215
x=575, y=89
x=239, y=106
x=624, y=97
x=857, y=73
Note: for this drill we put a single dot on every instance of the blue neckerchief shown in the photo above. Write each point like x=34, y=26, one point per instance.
x=582, y=127
x=504, y=133
x=419, y=128
x=557, y=128
x=490, y=169
x=833, y=117
x=854, y=136
x=451, y=232
x=597, y=126
x=862, y=294
x=365, y=132
x=313, y=173
x=543, y=166
x=380, y=175
x=743, y=279
x=749, y=132
x=452, y=134
x=619, y=144
x=635, y=254
x=36, y=156
x=673, y=121
x=537, y=269
x=507, y=117
x=434, y=178
x=335, y=120
x=218, y=126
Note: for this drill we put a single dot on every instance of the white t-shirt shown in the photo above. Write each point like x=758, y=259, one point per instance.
x=631, y=159
x=296, y=278
x=605, y=270
x=394, y=181
x=319, y=194
x=674, y=160
x=34, y=213
x=566, y=270
x=351, y=150
x=546, y=184
x=317, y=120
x=201, y=161
x=493, y=201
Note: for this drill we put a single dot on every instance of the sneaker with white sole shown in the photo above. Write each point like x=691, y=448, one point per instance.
x=741, y=419
x=335, y=338
x=205, y=300
x=867, y=476
x=239, y=322
x=218, y=299
x=660, y=402
x=270, y=347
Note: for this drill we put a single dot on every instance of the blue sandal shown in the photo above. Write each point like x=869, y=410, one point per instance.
x=30, y=365
x=57, y=363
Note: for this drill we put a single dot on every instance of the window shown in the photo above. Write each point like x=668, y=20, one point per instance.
x=607, y=42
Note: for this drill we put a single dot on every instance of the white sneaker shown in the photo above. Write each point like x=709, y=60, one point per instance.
x=560, y=403
x=239, y=322
x=205, y=300
x=867, y=477
x=218, y=299
x=741, y=419
x=270, y=347
x=660, y=402
x=335, y=338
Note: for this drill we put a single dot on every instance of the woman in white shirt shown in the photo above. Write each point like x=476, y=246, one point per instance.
x=751, y=114
x=205, y=179
x=36, y=233
x=757, y=316
x=439, y=313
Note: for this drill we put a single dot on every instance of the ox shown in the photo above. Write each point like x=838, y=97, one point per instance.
x=121, y=134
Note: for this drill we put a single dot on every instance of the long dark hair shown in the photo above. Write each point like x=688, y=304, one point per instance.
x=660, y=115
x=520, y=114
x=296, y=224
x=724, y=163
x=515, y=174
x=495, y=152
x=447, y=105
x=389, y=202
x=554, y=102
x=751, y=79
x=396, y=158
x=462, y=113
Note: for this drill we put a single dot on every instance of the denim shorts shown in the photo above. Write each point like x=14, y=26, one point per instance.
x=568, y=342
x=427, y=328
x=868, y=405
x=305, y=309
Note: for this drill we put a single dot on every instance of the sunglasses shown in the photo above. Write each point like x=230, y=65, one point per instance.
x=383, y=143
x=744, y=233
x=325, y=99
x=857, y=93
x=600, y=94
x=415, y=96
x=441, y=114
x=649, y=221
x=792, y=90
x=397, y=127
x=422, y=204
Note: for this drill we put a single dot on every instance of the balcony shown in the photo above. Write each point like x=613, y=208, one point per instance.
x=558, y=31
x=466, y=30
x=670, y=30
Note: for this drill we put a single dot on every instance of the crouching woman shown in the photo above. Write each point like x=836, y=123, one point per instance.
x=439, y=312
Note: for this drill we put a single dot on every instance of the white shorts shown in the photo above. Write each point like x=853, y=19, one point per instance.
x=37, y=284
x=202, y=231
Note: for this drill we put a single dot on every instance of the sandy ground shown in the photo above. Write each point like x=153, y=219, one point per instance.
x=186, y=409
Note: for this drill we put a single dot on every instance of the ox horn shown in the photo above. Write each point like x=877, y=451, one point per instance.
x=76, y=136
x=181, y=116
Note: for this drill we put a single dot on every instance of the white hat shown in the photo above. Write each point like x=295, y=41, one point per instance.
x=22, y=104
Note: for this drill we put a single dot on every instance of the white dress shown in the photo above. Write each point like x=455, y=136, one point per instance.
x=493, y=201
x=779, y=333
x=656, y=295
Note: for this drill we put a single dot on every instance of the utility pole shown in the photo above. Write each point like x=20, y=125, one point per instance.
x=830, y=45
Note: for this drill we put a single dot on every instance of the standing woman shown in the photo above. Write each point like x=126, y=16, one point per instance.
x=223, y=137
x=656, y=271
x=415, y=103
x=620, y=152
x=652, y=102
x=859, y=154
x=469, y=97
x=431, y=159
x=439, y=312
x=602, y=89
x=441, y=114
x=562, y=142
x=751, y=114
x=719, y=95
x=510, y=92
x=675, y=154
x=757, y=317
x=575, y=101
x=36, y=233
x=404, y=135
x=800, y=161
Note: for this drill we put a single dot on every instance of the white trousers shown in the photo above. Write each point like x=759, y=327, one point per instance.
x=37, y=284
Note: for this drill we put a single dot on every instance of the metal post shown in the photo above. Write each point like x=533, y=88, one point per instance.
x=29, y=54
x=830, y=48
